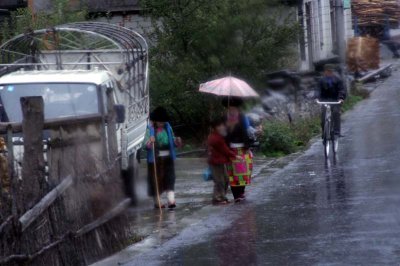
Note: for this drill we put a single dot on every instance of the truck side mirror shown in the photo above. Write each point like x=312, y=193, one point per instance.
x=120, y=113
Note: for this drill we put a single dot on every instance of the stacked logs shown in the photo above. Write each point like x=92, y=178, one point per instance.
x=362, y=54
x=376, y=12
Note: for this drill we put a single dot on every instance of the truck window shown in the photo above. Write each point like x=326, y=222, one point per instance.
x=60, y=99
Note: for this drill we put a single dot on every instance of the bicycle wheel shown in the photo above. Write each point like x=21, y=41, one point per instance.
x=327, y=138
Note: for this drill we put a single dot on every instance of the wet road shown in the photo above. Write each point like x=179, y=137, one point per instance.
x=312, y=212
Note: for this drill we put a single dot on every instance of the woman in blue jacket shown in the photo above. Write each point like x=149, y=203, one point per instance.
x=160, y=144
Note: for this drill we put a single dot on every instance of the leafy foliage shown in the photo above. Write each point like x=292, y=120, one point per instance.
x=351, y=101
x=197, y=40
x=357, y=94
x=23, y=19
x=305, y=129
x=281, y=138
x=278, y=139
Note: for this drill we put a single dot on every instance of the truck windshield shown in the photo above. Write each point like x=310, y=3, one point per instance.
x=60, y=99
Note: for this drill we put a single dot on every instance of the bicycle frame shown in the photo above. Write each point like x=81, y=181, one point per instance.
x=327, y=106
x=328, y=126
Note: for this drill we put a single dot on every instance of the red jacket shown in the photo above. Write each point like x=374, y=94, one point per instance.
x=218, y=151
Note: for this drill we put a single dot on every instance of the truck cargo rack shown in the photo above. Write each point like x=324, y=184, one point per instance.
x=82, y=45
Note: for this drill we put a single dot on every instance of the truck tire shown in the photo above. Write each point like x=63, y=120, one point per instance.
x=129, y=177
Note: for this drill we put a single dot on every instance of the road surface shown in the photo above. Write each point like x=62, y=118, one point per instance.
x=312, y=212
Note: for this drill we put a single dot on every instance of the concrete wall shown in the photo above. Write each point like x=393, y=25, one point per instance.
x=111, y=5
x=138, y=23
x=325, y=28
x=348, y=23
x=40, y=5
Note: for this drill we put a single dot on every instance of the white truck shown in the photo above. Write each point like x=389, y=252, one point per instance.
x=80, y=70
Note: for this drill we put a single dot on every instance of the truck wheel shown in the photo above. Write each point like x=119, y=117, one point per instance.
x=129, y=176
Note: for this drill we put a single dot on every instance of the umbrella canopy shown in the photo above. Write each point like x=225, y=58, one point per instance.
x=228, y=86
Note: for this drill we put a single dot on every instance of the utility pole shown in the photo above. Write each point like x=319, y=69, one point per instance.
x=340, y=30
x=30, y=5
x=341, y=38
x=32, y=9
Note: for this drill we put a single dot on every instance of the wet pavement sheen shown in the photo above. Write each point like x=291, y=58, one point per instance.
x=341, y=212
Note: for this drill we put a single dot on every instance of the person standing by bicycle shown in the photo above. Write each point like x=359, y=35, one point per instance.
x=331, y=89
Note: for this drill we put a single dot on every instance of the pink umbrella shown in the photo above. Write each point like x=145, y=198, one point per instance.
x=228, y=86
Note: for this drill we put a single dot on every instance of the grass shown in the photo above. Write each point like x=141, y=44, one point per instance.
x=134, y=238
x=351, y=101
x=356, y=95
x=281, y=138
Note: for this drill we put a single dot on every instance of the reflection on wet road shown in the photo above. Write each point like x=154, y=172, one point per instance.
x=343, y=212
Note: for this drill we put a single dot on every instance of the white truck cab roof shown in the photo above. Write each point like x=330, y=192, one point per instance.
x=56, y=76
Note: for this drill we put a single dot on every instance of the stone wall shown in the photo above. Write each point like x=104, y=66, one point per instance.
x=288, y=97
x=6, y=4
x=92, y=5
x=136, y=22
x=111, y=5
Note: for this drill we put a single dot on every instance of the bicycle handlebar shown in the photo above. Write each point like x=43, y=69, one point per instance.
x=329, y=103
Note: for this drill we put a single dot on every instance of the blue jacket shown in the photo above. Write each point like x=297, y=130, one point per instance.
x=171, y=138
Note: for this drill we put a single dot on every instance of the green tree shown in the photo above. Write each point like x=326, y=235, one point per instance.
x=197, y=40
x=23, y=19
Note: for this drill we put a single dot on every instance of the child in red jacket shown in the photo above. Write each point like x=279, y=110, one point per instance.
x=219, y=155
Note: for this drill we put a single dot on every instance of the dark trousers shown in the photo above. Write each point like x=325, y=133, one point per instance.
x=237, y=191
x=335, y=110
x=165, y=175
x=221, y=181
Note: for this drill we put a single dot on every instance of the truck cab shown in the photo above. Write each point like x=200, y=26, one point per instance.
x=76, y=94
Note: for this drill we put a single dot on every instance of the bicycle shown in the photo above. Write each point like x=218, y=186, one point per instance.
x=328, y=134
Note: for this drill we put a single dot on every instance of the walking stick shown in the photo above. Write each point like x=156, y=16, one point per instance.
x=156, y=178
